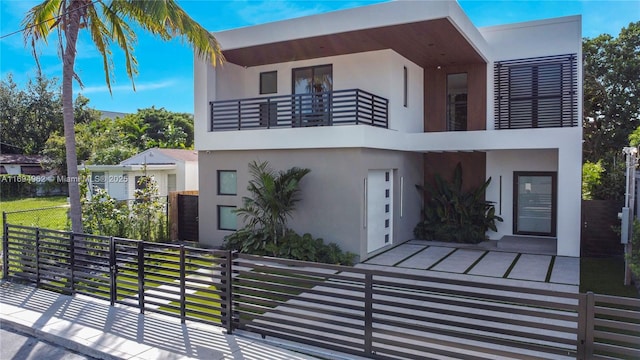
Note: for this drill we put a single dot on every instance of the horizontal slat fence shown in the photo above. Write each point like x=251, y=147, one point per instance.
x=365, y=312
x=615, y=326
x=176, y=280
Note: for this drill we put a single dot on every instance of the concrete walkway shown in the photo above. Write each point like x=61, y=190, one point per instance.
x=481, y=261
x=92, y=327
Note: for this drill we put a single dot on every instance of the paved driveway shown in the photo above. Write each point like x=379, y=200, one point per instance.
x=448, y=258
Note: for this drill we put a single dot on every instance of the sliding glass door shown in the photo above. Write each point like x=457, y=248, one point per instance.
x=313, y=86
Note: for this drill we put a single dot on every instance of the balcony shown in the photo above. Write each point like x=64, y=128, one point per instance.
x=340, y=107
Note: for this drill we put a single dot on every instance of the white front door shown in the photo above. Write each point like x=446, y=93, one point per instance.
x=379, y=209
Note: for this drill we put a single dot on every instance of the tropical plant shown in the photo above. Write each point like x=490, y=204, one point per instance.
x=266, y=212
x=591, y=178
x=274, y=196
x=107, y=22
x=453, y=214
x=634, y=256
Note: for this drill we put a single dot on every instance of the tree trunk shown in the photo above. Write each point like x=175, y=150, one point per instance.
x=71, y=28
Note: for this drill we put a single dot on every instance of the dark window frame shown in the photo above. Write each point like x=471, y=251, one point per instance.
x=405, y=95
x=262, y=82
x=451, y=126
x=219, y=218
x=554, y=202
x=218, y=173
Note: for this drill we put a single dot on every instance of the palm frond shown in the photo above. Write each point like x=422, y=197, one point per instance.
x=166, y=19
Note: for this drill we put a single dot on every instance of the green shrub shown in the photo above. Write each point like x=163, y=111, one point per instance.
x=634, y=256
x=454, y=215
x=290, y=246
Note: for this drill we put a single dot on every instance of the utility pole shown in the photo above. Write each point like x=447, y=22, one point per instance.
x=631, y=155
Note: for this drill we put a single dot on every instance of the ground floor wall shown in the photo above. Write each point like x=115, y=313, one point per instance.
x=333, y=201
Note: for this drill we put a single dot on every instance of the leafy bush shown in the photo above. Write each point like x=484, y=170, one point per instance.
x=289, y=246
x=143, y=219
x=454, y=215
x=634, y=256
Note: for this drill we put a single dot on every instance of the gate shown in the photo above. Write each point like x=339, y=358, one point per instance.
x=599, y=218
x=188, y=217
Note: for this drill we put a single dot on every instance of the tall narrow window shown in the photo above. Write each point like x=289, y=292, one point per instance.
x=312, y=87
x=457, y=102
x=406, y=87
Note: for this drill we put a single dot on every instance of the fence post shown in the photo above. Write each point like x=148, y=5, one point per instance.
x=113, y=292
x=141, y=276
x=5, y=246
x=368, y=314
x=183, y=275
x=586, y=315
x=357, y=106
x=590, y=317
x=38, y=257
x=72, y=262
x=226, y=303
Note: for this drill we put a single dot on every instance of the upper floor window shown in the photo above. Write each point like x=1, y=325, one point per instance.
x=536, y=92
x=405, y=84
x=269, y=82
x=313, y=79
x=457, y=102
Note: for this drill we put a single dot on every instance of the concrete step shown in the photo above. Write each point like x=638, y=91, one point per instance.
x=528, y=244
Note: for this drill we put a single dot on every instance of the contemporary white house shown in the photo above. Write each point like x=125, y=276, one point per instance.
x=379, y=98
x=172, y=169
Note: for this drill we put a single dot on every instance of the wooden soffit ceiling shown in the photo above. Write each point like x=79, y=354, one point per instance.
x=426, y=43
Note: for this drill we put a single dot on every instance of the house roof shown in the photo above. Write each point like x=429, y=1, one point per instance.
x=20, y=159
x=429, y=33
x=180, y=154
x=157, y=156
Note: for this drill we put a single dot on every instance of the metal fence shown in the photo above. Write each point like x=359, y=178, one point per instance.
x=54, y=217
x=377, y=314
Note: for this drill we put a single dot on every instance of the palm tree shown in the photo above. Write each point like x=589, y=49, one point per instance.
x=274, y=196
x=107, y=21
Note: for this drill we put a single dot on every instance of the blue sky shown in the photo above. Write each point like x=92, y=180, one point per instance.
x=166, y=68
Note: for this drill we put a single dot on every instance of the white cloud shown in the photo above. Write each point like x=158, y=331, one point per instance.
x=154, y=85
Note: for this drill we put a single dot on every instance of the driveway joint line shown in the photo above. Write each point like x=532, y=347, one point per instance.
x=476, y=262
x=513, y=264
x=441, y=260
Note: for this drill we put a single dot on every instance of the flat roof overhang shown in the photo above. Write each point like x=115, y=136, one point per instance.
x=427, y=43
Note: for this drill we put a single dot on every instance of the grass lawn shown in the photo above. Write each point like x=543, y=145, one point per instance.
x=46, y=218
x=605, y=276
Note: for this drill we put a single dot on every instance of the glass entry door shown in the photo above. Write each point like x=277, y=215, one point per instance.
x=534, y=203
x=312, y=88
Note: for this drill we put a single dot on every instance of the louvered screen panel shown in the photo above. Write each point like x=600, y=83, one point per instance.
x=536, y=92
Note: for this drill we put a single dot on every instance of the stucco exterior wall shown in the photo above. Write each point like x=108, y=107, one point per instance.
x=332, y=205
x=190, y=176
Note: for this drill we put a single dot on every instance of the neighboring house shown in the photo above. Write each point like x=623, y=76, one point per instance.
x=379, y=98
x=18, y=164
x=104, y=114
x=172, y=169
